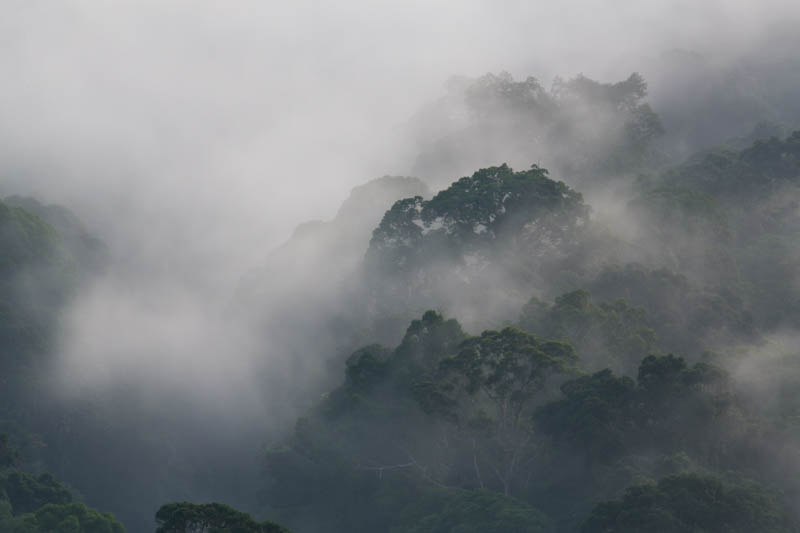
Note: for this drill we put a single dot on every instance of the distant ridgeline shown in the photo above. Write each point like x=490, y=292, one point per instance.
x=572, y=414
x=731, y=219
x=478, y=242
x=339, y=244
x=580, y=129
x=45, y=251
x=37, y=275
x=84, y=247
x=301, y=299
x=494, y=208
x=39, y=271
x=693, y=254
x=737, y=176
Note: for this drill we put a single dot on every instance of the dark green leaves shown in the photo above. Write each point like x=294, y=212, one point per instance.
x=502, y=370
x=28, y=493
x=691, y=503
x=9, y=456
x=495, y=205
x=187, y=517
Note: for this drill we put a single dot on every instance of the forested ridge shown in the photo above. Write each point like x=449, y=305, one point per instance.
x=600, y=339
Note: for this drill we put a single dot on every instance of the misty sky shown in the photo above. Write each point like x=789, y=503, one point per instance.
x=236, y=120
x=194, y=135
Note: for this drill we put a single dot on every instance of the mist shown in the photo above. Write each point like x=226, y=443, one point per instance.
x=193, y=138
x=117, y=111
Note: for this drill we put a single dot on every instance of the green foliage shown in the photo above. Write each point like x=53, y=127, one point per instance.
x=67, y=518
x=687, y=318
x=718, y=216
x=671, y=408
x=394, y=501
x=366, y=367
x=691, y=503
x=596, y=414
x=437, y=434
x=608, y=334
x=35, y=269
x=26, y=240
x=371, y=438
x=28, y=493
x=674, y=207
x=744, y=175
x=9, y=456
x=488, y=390
x=426, y=342
x=367, y=430
x=502, y=371
x=89, y=251
x=481, y=511
x=37, y=275
x=187, y=517
x=503, y=201
x=5, y=510
x=688, y=231
x=494, y=207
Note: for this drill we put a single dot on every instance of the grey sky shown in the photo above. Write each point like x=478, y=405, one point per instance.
x=194, y=135
x=260, y=114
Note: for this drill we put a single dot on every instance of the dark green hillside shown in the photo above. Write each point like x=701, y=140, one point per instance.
x=37, y=275
x=475, y=246
x=730, y=219
x=88, y=250
x=633, y=376
x=614, y=350
x=691, y=503
x=41, y=504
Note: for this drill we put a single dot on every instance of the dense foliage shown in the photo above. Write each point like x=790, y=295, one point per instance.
x=690, y=503
x=41, y=504
x=452, y=251
x=209, y=518
x=547, y=413
x=67, y=518
x=613, y=350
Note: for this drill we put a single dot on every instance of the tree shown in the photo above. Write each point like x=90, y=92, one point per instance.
x=488, y=390
x=596, y=415
x=427, y=341
x=609, y=334
x=28, y=493
x=495, y=223
x=187, y=517
x=9, y=456
x=67, y=518
x=691, y=503
x=481, y=511
x=672, y=408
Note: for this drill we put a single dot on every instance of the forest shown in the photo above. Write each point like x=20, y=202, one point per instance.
x=578, y=312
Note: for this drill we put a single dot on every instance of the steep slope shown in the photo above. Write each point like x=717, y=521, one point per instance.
x=303, y=302
x=477, y=247
x=37, y=274
x=88, y=250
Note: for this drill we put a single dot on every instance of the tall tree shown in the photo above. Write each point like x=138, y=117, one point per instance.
x=488, y=391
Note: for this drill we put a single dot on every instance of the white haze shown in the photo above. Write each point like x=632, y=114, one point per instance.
x=193, y=136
